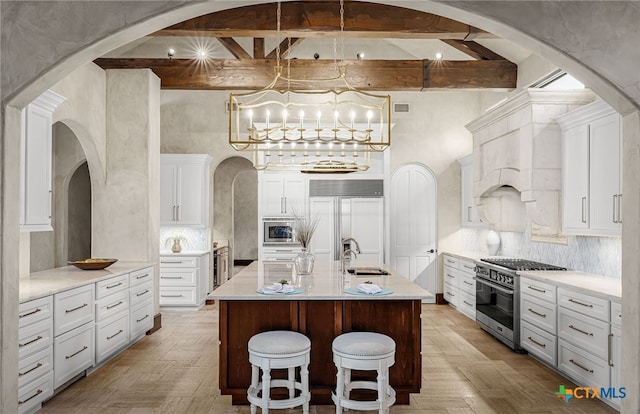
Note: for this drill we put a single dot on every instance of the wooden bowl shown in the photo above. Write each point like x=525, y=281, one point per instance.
x=93, y=264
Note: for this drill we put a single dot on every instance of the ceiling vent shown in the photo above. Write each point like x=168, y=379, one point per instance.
x=401, y=107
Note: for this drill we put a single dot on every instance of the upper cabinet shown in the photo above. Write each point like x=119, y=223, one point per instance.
x=184, y=190
x=36, y=163
x=470, y=216
x=591, y=171
x=283, y=194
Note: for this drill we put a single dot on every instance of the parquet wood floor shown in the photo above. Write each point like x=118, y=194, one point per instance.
x=175, y=371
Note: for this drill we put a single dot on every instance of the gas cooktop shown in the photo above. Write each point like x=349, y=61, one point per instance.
x=521, y=264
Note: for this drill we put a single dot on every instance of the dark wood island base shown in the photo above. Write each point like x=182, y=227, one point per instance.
x=321, y=321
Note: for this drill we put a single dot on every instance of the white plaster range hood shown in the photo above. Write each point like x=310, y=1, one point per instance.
x=517, y=160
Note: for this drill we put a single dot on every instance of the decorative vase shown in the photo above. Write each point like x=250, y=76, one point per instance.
x=304, y=262
x=493, y=242
x=176, y=248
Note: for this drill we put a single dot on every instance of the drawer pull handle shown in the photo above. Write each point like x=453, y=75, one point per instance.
x=170, y=262
x=537, y=290
x=115, y=334
x=542, y=315
x=38, y=365
x=450, y=261
x=580, y=330
x=469, y=267
x=580, y=366
x=537, y=343
x=33, y=396
x=76, y=353
x=609, y=346
x=143, y=318
x=171, y=296
x=467, y=303
x=142, y=276
x=114, y=285
x=450, y=294
x=450, y=275
x=113, y=306
x=468, y=283
x=588, y=305
x=142, y=293
x=30, y=342
x=75, y=309
x=30, y=313
x=170, y=277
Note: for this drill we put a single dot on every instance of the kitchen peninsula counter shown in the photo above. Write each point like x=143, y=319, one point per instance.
x=321, y=312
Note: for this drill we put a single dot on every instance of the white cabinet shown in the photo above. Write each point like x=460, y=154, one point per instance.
x=184, y=190
x=184, y=280
x=35, y=353
x=367, y=227
x=470, y=216
x=450, y=291
x=36, y=163
x=615, y=353
x=140, y=303
x=282, y=194
x=459, y=284
x=591, y=170
x=281, y=254
x=112, y=316
x=538, y=315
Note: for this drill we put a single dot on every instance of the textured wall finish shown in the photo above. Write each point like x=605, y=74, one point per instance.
x=79, y=215
x=245, y=215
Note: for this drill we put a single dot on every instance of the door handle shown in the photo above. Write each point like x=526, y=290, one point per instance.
x=469, y=213
x=584, y=205
x=620, y=208
x=431, y=251
x=615, y=207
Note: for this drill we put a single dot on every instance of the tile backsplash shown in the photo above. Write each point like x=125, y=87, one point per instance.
x=598, y=255
x=196, y=239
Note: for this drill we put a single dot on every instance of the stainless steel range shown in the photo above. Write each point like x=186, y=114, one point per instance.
x=498, y=296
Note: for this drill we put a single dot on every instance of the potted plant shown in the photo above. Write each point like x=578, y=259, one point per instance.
x=303, y=230
x=176, y=240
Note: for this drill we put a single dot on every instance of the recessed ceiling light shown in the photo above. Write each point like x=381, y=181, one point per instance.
x=439, y=56
x=171, y=52
x=203, y=53
x=360, y=55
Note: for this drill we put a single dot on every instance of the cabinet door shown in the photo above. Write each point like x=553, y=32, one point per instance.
x=323, y=240
x=367, y=218
x=295, y=195
x=190, y=195
x=615, y=356
x=575, y=185
x=272, y=202
x=168, y=177
x=604, y=135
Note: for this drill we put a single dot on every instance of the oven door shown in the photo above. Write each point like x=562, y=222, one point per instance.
x=494, y=303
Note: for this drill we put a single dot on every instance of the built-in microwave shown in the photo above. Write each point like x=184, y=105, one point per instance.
x=278, y=231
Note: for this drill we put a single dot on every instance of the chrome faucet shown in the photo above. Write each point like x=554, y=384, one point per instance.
x=346, y=252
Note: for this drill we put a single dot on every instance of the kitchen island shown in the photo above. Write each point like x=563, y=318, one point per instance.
x=322, y=312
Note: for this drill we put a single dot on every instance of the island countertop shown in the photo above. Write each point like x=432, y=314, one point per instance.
x=325, y=283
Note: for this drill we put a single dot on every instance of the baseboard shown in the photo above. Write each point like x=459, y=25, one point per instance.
x=240, y=262
x=157, y=324
x=440, y=300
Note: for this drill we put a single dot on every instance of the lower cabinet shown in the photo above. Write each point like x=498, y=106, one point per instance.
x=111, y=335
x=184, y=280
x=73, y=352
x=459, y=284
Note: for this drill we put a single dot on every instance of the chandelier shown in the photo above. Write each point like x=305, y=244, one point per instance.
x=289, y=127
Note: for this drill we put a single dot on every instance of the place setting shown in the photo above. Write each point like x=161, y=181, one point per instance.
x=368, y=289
x=282, y=287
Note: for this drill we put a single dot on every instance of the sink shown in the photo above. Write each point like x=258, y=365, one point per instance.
x=370, y=271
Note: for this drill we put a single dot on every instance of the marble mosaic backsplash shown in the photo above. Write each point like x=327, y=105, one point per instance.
x=196, y=239
x=598, y=255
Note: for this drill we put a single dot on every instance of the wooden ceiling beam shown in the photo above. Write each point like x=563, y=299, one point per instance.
x=284, y=48
x=380, y=75
x=321, y=19
x=234, y=47
x=473, y=49
x=258, y=48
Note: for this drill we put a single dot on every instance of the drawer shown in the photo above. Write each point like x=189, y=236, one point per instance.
x=585, y=304
x=35, y=310
x=616, y=314
x=539, y=313
x=111, y=335
x=187, y=277
x=34, y=338
x=584, y=368
x=111, y=305
x=540, y=343
x=73, y=352
x=140, y=293
x=141, y=276
x=34, y=366
x=178, y=296
x=171, y=261
x=31, y=396
x=111, y=286
x=466, y=283
x=451, y=294
x=467, y=267
x=72, y=308
x=589, y=334
x=141, y=319
x=537, y=289
x=467, y=304
x=450, y=261
x=451, y=276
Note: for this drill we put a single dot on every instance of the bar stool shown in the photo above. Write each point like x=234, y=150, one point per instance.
x=279, y=350
x=363, y=351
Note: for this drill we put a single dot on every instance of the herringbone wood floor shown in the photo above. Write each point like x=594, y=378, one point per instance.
x=175, y=371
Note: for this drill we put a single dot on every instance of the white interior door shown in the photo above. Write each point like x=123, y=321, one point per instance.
x=413, y=225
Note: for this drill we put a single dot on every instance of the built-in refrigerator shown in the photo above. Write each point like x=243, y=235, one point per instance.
x=352, y=208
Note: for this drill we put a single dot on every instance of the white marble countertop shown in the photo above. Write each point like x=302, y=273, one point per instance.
x=325, y=283
x=588, y=283
x=184, y=253
x=48, y=282
x=466, y=254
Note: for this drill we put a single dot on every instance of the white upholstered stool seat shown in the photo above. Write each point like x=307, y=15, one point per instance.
x=279, y=350
x=365, y=351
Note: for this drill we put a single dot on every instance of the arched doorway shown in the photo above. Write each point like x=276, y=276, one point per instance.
x=78, y=230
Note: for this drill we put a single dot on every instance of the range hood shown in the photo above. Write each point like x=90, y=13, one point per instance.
x=517, y=160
